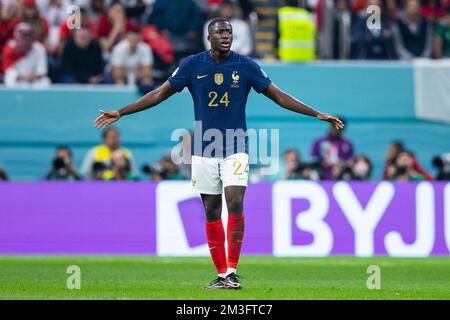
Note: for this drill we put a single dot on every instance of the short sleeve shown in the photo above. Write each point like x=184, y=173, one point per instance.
x=315, y=150
x=259, y=80
x=118, y=55
x=180, y=77
x=103, y=29
x=41, y=67
x=145, y=55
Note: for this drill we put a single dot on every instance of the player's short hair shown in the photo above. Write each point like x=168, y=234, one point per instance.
x=217, y=20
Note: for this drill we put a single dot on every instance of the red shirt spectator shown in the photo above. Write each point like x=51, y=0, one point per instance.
x=432, y=10
x=113, y=26
x=105, y=26
x=6, y=32
x=25, y=60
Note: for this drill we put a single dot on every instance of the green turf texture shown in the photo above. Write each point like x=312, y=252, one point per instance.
x=138, y=277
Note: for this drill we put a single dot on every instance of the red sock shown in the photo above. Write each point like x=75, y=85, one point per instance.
x=235, y=235
x=216, y=242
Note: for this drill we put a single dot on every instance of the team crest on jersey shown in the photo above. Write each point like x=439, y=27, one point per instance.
x=235, y=77
x=218, y=78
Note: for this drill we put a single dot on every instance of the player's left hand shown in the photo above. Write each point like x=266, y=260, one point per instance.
x=331, y=119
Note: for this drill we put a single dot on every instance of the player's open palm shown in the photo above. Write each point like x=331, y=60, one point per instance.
x=106, y=118
x=332, y=119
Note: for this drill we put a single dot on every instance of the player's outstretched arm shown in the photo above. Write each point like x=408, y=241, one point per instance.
x=288, y=102
x=151, y=99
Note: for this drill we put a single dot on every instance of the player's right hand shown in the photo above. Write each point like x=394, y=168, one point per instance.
x=106, y=118
x=338, y=124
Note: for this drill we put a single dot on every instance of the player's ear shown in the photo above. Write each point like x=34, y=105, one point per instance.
x=208, y=37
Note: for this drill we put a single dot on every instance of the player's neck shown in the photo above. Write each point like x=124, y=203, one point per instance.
x=219, y=56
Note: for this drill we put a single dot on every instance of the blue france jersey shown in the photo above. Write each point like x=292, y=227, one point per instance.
x=219, y=92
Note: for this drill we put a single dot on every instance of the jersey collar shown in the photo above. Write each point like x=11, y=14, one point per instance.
x=225, y=60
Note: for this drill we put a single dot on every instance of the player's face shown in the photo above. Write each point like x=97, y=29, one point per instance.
x=221, y=36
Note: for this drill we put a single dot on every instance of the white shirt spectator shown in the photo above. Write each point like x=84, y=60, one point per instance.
x=242, y=38
x=33, y=63
x=122, y=57
x=56, y=13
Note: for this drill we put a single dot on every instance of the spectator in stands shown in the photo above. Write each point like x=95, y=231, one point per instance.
x=55, y=13
x=31, y=15
x=112, y=26
x=442, y=37
x=3, y=174
x=394, y=149
x=413, y=34
x=391, y=171
x=391, y=10
x=294, y=46
x=97, y=162
x=62, y=166
x=295, y=169
x=211, y=7
x=82, y=60
x=6, y=29
x=85, y=22
x=120, y=164
x=242, y=38
x=24, y=60
x=432, y=10
x=342, y=17
x=360, y=168
x=372, y=43
x=332, y=152
x=164, y=169
x=403, y=168
x=132, y=61
x=11, y=8
x=136, y=9
x=181, y=21
x=442, y=164
x=291, y=164
x=94, y=8
x=246, y=7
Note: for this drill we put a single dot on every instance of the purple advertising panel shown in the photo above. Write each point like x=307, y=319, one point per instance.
x=285, y=218
x=77, y=218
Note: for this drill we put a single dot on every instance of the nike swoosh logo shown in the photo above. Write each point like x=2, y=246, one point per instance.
x=200, y=77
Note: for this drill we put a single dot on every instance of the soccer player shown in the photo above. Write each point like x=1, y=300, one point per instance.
x=219, y=81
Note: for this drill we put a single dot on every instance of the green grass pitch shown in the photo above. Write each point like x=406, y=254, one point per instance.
x=138, y=277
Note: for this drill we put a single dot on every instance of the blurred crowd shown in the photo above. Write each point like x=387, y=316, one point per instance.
x=140, y=42
x=135, y=42
x=407, y=29
x=332, y=157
